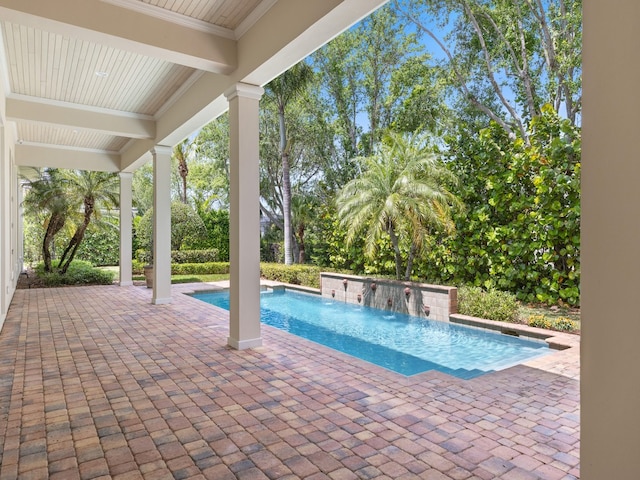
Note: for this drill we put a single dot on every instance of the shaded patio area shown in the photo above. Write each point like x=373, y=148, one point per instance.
x=95, y=382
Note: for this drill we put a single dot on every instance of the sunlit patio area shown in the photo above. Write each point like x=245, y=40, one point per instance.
x=96, y=382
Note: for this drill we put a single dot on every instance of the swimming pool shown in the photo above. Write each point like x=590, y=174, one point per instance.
x=398, y=342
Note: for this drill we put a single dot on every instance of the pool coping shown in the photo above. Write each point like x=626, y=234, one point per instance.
x=555, y=340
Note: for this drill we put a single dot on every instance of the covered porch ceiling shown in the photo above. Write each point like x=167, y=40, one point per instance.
x=95, y=84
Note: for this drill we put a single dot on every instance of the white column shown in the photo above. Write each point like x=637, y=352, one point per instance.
x=244, y=235
x=126, y=228
x=161, y=225
x=610, y=253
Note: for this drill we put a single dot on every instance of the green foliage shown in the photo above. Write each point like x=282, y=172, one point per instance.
x=521, y=231
x=195, y=256
x=505, y=59
x=402, y=194
x=209, y=179
x=101, y=245
x=539, y=321
x=271, y=245
x=563, y=324
x=490, y=304
x=202, y=268
x=63, y=201
x=329, y=246
x=137, y=267
x=187, y=228
x=217, y=224
x=78, y=273
x=199, y=268
x=306, y=275
x=182, y=256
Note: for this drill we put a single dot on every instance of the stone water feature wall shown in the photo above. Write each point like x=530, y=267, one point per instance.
x=417, y=299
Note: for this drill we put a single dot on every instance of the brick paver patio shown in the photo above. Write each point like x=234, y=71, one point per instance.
x=95, y=382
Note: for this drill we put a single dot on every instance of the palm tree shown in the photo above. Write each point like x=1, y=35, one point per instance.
x=282, y=90
x=97, y=190
x=403, y=193
x=301, y=217
x=181, y=152
x=46, y=195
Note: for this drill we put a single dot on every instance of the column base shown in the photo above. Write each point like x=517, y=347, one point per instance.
x=244, y=344
x=125, y=284
x=161, y=301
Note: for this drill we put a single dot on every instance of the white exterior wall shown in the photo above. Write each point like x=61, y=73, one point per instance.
x=10, y=243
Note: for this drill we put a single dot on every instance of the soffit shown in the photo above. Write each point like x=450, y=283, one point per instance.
x=120, y=76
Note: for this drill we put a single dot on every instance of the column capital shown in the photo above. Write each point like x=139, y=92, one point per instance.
x=244, y=90
x=125, y=175
x=161, y=150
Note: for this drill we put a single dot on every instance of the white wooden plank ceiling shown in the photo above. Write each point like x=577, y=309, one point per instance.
x=116, y=77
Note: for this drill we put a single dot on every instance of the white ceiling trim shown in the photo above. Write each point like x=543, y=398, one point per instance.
x=38, y=155
x=173, y=17
x=253, y=17
x=179, y=93
x=78, y=106
x=4, y=72
x=24, y=143
x=189, y=47
x=79, y=119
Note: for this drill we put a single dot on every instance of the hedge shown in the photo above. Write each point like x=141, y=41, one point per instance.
x=183, y=256
x=207, y=268
x=307, y=275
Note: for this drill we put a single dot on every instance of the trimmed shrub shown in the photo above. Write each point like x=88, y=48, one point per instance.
x=195, y=256
x=563, y=324
x=78, y=273
x=183, y=256
x=207, y=268
x=307, y=275
x=489, y=304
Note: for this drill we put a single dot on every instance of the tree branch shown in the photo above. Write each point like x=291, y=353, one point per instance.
x=462, y=84
x=274, y=219
x=491, y=74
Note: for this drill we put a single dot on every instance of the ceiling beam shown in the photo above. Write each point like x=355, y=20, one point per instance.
x=32, y=155
x=120, y=124
x=101, y=22
x=295, y=30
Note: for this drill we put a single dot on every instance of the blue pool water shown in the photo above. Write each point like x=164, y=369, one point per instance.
x=402, y=343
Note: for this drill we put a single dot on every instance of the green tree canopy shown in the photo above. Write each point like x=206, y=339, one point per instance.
x=403, y=193
x=70, y=195
x=187, y=228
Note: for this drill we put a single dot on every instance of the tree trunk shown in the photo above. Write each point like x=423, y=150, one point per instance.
x=286, y=189
x=71, y=249
x=56, y=222
x=183, y=170
x=412, y=255
x=301, y=253
x=396, y=250
x=76, y=240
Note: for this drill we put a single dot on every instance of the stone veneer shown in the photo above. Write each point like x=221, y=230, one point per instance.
x=390, y=295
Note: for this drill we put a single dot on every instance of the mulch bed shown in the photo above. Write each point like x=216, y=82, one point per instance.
x=29, y=279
